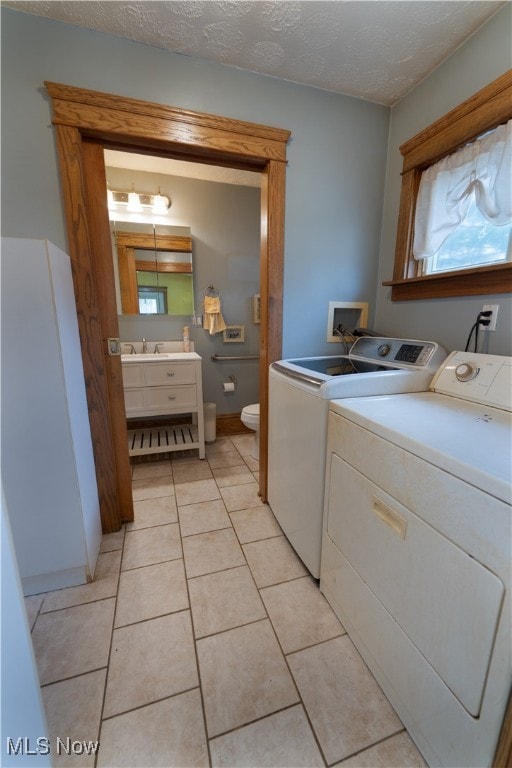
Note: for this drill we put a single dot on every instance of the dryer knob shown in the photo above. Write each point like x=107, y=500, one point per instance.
x=384, y=350
x=466, y=372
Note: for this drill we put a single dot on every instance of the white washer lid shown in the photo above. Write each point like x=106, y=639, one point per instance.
x=252, y=410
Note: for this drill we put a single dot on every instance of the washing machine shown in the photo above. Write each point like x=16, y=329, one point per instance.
x=416, y=554
x=299, y=395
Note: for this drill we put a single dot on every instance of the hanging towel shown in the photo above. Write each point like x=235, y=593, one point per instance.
x=213, y=320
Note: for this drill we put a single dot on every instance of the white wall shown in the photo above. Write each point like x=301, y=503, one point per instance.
x=486, y=56
x=22, y=706
x=336, y=154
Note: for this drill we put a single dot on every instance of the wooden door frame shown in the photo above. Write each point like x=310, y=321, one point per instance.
x=87, y=121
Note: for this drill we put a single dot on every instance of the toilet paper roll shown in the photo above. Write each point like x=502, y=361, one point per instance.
x=229, y=386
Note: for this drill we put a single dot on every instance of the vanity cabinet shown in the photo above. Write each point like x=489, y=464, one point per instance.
x=169, y=387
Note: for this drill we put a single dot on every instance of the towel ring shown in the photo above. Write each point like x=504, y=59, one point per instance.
x=211, y=291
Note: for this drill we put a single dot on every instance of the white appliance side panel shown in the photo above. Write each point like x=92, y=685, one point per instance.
x=431, y=587
x=296, y=460
x=38, y=465
x=67, y=326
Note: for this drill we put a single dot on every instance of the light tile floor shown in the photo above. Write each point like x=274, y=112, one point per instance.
x=203, y=641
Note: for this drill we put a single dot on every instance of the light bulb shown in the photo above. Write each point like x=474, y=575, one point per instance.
x=161, y=204
x=134, y=203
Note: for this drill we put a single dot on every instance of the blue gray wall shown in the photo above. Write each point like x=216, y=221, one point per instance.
x=486, y=56
x=336, y=154
x=340, y=219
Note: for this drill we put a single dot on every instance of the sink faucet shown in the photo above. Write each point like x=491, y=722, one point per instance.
x=157, y=347
x=132, y=348
x=144, y=345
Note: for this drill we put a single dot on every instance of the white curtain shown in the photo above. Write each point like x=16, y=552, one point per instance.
x=483, y=169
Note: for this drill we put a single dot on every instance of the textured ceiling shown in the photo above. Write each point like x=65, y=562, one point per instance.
x=162, y=165
x=371, y=49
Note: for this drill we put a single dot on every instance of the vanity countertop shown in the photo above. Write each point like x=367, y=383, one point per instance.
x=159, y=357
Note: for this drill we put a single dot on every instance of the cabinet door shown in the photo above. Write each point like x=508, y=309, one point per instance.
x=133, y=400
x=161, y=374
x=133, y=375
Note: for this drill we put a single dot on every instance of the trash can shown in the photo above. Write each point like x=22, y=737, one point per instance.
x=210, y=426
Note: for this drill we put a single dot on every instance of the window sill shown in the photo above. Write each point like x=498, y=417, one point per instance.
x=467, y=282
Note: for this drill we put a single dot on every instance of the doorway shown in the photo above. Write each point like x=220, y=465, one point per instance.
x=86, y=122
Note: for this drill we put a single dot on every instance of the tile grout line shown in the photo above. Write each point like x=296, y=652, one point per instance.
x=102, y=708
x=194, y=639
x=370, y=746
x=301, y=702
x=147, y=704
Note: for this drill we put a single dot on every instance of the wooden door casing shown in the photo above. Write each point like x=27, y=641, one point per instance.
x=85, y=122
x=109, y=474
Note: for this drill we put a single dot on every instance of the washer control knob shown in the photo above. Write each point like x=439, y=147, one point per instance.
x=466, y=372
x=384, y=350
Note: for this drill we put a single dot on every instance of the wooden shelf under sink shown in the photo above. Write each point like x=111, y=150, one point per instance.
x=163, y=439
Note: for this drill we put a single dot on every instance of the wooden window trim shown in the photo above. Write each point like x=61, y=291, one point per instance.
x=483, y=111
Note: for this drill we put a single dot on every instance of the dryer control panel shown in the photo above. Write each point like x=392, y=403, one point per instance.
x=485, y=379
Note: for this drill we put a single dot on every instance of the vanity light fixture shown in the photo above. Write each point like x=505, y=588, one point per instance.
x=136, y=202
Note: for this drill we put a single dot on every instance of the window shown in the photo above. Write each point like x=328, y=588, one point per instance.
x=464, y=207
x=152, y=300
x=475, y=243
x=454, y=229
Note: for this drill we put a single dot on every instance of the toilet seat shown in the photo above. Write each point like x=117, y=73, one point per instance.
x=250, y=417
x=251, y=414
x=252, y=410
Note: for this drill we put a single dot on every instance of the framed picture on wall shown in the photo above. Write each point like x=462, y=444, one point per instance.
x=256, y=308
x=234, y=333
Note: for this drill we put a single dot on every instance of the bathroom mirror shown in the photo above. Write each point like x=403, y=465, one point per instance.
x=155, y=269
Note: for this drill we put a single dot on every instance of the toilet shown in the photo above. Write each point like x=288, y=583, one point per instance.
x=250, y=416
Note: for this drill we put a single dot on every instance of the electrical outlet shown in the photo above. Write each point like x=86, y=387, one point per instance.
x=494, y=309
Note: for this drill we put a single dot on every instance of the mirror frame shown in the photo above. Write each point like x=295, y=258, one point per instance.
x=127, y=243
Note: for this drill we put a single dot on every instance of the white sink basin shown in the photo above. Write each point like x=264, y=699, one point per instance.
x=151, y=357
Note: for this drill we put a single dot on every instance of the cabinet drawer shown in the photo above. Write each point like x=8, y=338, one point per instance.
x=133, y=375
x=158, y=374
x=171, y=397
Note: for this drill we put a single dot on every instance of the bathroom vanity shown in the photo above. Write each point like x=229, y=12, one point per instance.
x=164, y=384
